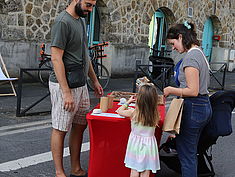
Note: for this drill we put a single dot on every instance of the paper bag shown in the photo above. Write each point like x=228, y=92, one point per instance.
x=104, y=103
x=173, y=116
x=110, y=101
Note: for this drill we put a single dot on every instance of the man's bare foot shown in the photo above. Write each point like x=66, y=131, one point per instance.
x=80, y=172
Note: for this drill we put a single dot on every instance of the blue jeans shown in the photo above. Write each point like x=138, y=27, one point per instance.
x=196, y=114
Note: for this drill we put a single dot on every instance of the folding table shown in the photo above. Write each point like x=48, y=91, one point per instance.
x=108, y=141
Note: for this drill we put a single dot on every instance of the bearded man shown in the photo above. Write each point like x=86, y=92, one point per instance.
x=69, y=104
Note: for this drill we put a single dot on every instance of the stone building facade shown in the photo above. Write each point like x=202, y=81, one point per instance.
x=24, y=24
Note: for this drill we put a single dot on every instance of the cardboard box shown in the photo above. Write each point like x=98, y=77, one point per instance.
x=119, y=94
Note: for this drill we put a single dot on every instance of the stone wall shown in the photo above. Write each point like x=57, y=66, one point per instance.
x=130, y=21
x=24, y=24
x=28, y=20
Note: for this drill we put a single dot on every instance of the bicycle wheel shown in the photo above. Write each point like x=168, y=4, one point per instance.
x=43, y=75
x=102, y=75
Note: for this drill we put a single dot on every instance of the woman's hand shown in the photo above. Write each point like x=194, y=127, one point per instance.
x=167, y=91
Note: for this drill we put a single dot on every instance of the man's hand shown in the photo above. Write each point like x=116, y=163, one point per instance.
x=68, y=101
x=98, y=89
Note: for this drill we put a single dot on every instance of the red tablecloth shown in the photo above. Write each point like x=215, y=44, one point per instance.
x=108, y=141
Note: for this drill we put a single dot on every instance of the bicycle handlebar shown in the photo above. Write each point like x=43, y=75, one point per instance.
x=42, y=51
x=43, y=54
x=46, y=55
x=156, y=50
x=99, y=45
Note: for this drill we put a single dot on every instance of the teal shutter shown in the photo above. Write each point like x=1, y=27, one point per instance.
x=207, y=38
x=93, y=27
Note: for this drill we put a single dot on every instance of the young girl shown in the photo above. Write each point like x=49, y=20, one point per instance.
x=142, y=149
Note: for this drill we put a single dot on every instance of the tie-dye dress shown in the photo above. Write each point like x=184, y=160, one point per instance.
x=142, y=149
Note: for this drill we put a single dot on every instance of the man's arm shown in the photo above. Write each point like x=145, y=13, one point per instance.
x=97, y=87
x=56, y=58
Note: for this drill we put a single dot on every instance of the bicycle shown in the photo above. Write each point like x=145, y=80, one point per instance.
x=45, y=63
x=158, y=59
x=158, y=70
x=102, y=74
x=96, y=52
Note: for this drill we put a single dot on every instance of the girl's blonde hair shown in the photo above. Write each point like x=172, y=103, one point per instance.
x=146, y=112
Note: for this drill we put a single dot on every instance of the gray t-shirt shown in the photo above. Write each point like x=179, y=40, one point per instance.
x=195, y=58
x=68, y=34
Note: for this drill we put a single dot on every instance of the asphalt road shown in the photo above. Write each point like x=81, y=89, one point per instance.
x=25, y=141
x=25, y=152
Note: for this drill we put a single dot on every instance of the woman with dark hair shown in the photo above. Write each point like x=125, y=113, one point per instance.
x=193, y=78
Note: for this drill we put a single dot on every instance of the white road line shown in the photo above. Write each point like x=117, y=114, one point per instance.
x=23, y=130
x=24, y=125
x=36, y=159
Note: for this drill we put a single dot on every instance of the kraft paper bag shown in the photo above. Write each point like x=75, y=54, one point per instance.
x=173, y=116
x=104, y=103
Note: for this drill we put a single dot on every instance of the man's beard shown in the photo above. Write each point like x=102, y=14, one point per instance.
x=79, y=11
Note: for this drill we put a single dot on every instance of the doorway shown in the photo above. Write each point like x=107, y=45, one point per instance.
x=93, y=27
x=157, y=33
x=207, y=38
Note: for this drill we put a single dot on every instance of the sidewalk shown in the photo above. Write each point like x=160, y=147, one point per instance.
x=32, y=92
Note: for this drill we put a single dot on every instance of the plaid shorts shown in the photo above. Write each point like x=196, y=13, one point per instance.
x=61, y=119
